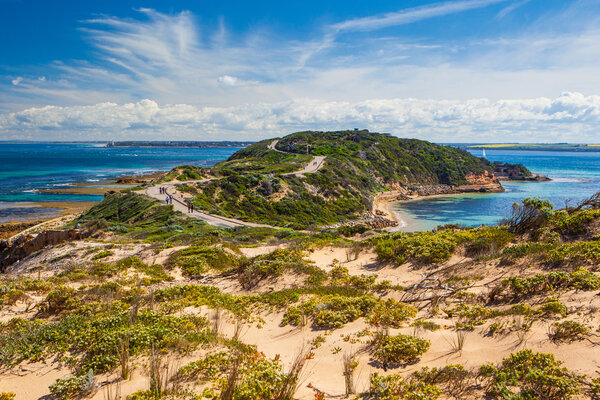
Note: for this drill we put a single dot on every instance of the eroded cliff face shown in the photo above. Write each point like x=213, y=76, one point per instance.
x=14, y=251
x=485, y=182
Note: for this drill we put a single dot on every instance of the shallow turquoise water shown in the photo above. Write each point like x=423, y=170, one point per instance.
x=26, y=168
x=575, y=176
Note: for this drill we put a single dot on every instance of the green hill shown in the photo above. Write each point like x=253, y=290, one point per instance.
x=252, y=185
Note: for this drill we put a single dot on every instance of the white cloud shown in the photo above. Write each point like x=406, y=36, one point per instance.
x=205, y=81
x=570, y=116
x=408, y=16
x=227, y=80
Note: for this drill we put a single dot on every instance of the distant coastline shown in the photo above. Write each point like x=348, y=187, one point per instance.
x=175, y=143
x=534, y=147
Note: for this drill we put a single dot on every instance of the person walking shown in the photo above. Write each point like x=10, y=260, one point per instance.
x=192, y=207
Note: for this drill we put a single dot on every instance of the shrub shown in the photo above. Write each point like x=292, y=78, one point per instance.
x=395, y=387
x=453, y=379
x=553, y=306
x=7, y=396
x=391, y=313
x=427, y=325
x=530, y=376
x=208, y=368
x=60, y=299
x=420, y=247
x=488, y=241
x=399, y=349
x=198, y=260
x=568, y=331
x=543, y=283
x=73, y=386
x=102, y=254
x=274, y=264
x=330, y=311
x=577, y=252
x=532, y=214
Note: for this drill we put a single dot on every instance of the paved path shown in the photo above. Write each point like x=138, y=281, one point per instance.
x=179, y=203
x=313, y=166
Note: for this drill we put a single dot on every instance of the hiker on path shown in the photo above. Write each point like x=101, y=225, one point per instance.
x=192, y=205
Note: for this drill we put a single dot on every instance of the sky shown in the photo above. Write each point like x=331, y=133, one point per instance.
x=449, y=71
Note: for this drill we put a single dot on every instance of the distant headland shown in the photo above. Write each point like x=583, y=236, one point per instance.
x=179, y=144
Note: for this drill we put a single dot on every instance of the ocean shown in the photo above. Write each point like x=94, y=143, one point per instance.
x=575, y=177
x=26, y=168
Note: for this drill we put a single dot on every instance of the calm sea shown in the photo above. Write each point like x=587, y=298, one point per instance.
x=26, y=168
x=575, y=176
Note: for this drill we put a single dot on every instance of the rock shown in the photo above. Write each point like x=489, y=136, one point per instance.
x=23, y=246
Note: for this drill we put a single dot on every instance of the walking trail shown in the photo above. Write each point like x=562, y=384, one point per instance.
x=180, y=204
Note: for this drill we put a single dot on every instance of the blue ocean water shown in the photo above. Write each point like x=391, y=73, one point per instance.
x=26, y=168
x=575, y=176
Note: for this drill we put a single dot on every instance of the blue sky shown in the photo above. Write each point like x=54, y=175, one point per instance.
x=465, y=70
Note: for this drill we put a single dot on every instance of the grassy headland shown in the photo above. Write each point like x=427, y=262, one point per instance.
x=255, y=185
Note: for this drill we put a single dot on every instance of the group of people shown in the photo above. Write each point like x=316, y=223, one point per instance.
x=190, y=206
x=169, y=198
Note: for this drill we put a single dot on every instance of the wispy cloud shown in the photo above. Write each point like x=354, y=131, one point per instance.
x=411, y=15
x=510, y=8
x=254, y=82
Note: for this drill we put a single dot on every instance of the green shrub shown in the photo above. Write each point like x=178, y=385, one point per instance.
x=399, y=349
x=427, y=325
x=330, y=311
x=453, y=379
x=7, y=396
x=61, y=299
x=395, y=387
x=73, y=386
x=527, y=248
x=553, y=306
x=576, y=223
x=391, y=313
x=206, y=369
x=488, y=241
x=198, y=260
x=578, y=252
x=543, y=283
x=275, y=263
x=102, y=254
x=568, y=331
x=420, y=247
x=531, y=376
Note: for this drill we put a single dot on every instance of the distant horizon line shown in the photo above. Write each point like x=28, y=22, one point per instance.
x=256, y=141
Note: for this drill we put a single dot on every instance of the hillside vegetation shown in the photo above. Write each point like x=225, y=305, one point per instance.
x=161, y=306
x=359, y=164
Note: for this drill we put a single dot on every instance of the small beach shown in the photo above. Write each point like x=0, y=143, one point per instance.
x=575, y=176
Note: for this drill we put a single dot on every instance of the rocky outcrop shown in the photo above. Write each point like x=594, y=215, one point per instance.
x=25, y=245
x=485, y=182
x=516, y=172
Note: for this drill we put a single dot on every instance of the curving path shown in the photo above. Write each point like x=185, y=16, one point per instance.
x=179, y=203
x=313, y=166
